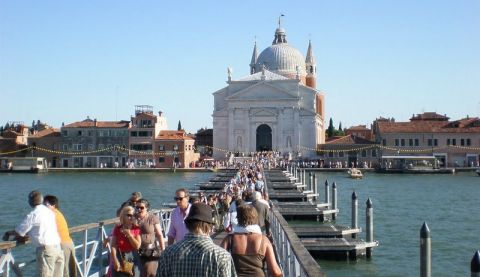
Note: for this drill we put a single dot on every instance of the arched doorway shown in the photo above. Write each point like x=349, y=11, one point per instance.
x=264, y=138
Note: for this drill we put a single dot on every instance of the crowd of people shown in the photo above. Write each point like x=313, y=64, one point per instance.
x=137, y=242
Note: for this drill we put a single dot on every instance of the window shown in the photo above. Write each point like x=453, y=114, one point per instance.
x=141, y=147
x=90, y=133
x=397, y=142
x=65, y=147
x=79, y=133
x=469, y=142
x=65, y=133
x=448, y=141
x=435, y=142
x=133, y=133
x=101, y=133
x=454, y=141
x=77, y=147
x=341, y=154
x=384, y=141
x=374, y=152
x=145, y=133
x=462, y=142
x=402, y=142
x=429, y=142
x=161, y=147
x=330, y=154
x=161, y=159
x=417, y=142
x=410, y=142
x=364, y=153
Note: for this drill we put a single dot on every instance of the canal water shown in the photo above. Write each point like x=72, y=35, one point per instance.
x=448, y=203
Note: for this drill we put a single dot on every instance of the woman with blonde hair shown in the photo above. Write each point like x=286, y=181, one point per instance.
x=125, y=242
x=249, y=248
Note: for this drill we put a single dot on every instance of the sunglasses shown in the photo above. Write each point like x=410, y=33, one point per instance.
x=178, y=198
x=140, y=208
x=129, y=215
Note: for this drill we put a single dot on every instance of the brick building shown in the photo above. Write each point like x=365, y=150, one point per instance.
x=175, y=147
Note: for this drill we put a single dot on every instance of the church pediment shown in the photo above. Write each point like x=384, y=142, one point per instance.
x=262, y=91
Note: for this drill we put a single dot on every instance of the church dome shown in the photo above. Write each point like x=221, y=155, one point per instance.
x=282, y=59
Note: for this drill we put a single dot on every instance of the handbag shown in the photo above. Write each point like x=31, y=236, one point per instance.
x=152, y=251
x=126, y=266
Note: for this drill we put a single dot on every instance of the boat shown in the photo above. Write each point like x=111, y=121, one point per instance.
x=355, y=173
x=412, y=164
x=23, y=164
x=478, y=172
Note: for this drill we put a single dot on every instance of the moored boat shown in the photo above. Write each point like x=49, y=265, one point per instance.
x=355, y=173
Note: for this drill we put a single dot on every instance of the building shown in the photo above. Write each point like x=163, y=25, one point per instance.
x=145, y=127
x=348, y=151
x=46, y=143
x=454, y=143
x=13, y=139
x=277, y=107
x=360, y=131
x=92, y=143
x=175, y=149
x=204, y=142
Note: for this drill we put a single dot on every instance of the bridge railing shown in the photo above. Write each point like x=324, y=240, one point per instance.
x=91, y=248
x=294, y=258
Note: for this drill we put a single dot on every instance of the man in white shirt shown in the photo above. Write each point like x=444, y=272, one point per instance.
x=41, y=228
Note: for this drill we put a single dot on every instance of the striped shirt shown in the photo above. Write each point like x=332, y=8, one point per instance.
x=195, y=255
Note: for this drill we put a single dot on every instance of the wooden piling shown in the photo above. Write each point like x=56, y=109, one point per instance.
x=310, y=182
x=354, y=213
x=334, y=200
x=327, y=192
x=315, y=186
x=369, y=226
x=425, y=252
x=475, y=265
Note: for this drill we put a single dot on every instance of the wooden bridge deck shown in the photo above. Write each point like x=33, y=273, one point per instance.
x=325, y=231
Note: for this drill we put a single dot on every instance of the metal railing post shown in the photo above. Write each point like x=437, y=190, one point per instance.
x=425, y=252
x=334, y=200
x=354, y=213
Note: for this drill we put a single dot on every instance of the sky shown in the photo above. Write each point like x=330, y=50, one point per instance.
x=61, y=61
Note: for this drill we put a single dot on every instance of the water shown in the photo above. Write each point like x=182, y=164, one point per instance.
x=448, y=203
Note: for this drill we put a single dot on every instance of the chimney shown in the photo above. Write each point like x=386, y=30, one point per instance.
x=95, y=122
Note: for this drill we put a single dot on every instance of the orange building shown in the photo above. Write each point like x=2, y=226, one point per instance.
x=176, y=148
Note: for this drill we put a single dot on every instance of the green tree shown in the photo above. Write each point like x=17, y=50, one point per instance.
x=340, y=127
x=331, y=129
x=179, y=126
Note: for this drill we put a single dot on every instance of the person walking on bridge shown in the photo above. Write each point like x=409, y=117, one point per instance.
x=178, y=230
x=196, y=255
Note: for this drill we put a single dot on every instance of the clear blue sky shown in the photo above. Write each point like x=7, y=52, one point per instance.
x=61, y=61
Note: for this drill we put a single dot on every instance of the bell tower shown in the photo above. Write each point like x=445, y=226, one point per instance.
x=311, y=67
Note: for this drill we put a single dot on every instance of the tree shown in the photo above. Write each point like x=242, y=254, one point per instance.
x=340, y=127
x=331, y=129
x=179, y=126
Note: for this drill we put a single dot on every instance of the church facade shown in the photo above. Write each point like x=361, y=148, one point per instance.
x=277, y=107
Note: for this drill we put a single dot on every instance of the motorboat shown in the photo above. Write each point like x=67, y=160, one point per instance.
x=355, y=173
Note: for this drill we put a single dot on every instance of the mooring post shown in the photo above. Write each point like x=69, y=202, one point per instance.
x=304, y=182
x=310, y=182
x=369, y=226
x=475, y=265
x=314, y=184
x=327, y=193
x=334, y=200
x=425, y=252
x=354, y=213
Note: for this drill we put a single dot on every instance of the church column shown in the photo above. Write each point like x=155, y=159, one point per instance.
x=248, y=131
x=231, y=137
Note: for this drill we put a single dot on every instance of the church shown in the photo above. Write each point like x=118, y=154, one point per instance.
x=277, y=107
